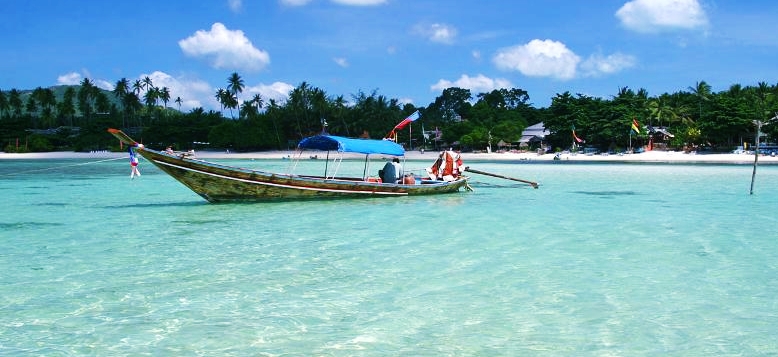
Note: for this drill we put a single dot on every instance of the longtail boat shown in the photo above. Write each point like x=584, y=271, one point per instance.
x=222, y=183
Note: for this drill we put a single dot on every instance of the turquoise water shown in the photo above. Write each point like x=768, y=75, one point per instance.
x=602, y=260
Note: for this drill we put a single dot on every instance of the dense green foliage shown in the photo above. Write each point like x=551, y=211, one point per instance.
x=76, y=117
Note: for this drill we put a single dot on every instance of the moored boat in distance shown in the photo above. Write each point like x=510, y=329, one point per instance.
x=222, y=183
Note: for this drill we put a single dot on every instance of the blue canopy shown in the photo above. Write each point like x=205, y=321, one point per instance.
x=341, y=144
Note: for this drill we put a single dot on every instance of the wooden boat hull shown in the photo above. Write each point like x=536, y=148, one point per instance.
x=221, y=183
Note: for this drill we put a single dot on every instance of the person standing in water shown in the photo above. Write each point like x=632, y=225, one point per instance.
x=133, y=164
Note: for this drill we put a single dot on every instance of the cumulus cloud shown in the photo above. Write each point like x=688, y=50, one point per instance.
x=658, y=15
x=69, y=79
x=547, y=58
x=478, y=84
x=278, y=91
x=197, y=93
x=225, y=49
x=539, y=58
x=440, y=33
x=103, y=84
x=194, y=93
x=598, y=64
x=75, y=78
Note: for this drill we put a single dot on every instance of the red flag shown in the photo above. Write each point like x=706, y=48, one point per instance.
x=577, y=139
x=635, y=126
x=402, y=124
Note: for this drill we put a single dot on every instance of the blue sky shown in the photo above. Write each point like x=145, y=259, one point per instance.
x=405, y=49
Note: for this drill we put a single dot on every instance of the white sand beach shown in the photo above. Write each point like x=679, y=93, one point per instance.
x=651, y=156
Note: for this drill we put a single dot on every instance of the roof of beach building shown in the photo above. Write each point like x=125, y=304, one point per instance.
x=534, y=131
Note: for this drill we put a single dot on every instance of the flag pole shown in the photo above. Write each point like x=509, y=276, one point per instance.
x=410, y=136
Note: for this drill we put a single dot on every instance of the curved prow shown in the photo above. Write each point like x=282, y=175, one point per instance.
x=122, y=136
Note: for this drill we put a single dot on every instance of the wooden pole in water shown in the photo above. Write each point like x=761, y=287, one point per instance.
x=756, y=149
x=756, y=154
x=531, y=183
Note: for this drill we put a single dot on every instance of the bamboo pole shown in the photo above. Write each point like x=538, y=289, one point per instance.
x=531, y=183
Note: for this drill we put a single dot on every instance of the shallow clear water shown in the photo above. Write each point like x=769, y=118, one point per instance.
x=603, y=259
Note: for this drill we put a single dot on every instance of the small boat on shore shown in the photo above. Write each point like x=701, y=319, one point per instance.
x=222, y=183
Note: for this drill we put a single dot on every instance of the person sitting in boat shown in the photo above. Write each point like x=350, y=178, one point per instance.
x=392, y=171
x=169, y=150
x=446, y=167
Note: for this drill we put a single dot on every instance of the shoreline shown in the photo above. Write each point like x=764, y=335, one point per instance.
x=646, y=157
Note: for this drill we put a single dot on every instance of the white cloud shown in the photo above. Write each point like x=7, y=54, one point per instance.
x=656, y=15
x=597, y=64
x=539, y=58
x=340, y=61
x=440, y=33
x=476, y=55
x=225, y=49
x=103, y=84
x=69, y=79
x=235, y=5
x=74, y=79
x=278, y=91
x=478, y=84
x=194, y=92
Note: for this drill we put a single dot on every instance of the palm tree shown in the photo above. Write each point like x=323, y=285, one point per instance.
x=3, y=103
x=660, y=109
x=235, y=83
x=65, y=107
x=258, y=102
x=299, y=103
x=32, y=108
x=120, y=90
x=147, y=83
x=164, y=95
x=220, y=95
x=151, y=96
x=178, y=101
x=132, y=104
x=86, y=96
x=235, y=86
x=273, y=112
x=137, y=86
x=340, y=105
x=251, y=107
x=702, y=91
x=248, y=109
x=47, y=101
x=15, y=102
x=230, y=102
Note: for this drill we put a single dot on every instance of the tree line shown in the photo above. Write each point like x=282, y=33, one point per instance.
x=75, y=117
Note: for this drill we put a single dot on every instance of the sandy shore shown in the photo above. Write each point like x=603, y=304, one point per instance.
x=652, y=156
